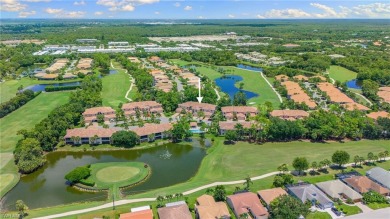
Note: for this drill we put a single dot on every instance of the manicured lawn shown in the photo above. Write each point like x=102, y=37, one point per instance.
x=376, y=206
x=9, y=88
x=318, y=215
x=348, y=210
x=341, y=74
x=235, y=162
x=24, y=118
x=115, y=87
x=119, y=174
x=252, y=81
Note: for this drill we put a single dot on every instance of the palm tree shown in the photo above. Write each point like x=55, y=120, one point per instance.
x=151, y=137
x=93, y=139
x=240, y=130
x=209, y=191
x=248, y=182
x=160, y=199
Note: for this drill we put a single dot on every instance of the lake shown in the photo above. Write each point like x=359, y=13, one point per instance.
x=248, y=67
x=227, y=85
x=41, y=87
x=356, y=84
x=46, y=187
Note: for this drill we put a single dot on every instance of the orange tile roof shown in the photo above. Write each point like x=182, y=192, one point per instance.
x=281, y=77
x=384, y=93
x=297, y=94
x=376, y=115
x=90, y=132
x=322, y=78
x=301, y=78
x=334, y=94
x=174, y=212
x=197, y=106
x=247, y=202
x=50, y=76
x=207, y=208
x=142, y=105
x=354, y=106
x=144, y=214
x=363, y=184
x=230, y=125
x=239, y=109
x=285, y=114
x=96, y=110
x=149, y=129
x=268, y=195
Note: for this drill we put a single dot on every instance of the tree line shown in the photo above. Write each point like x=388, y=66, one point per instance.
x=16, y=102
x=46, y=135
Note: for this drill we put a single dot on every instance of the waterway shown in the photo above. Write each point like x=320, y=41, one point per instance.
x=227, y=85
x=356, y=84
x=41, y=87
x=248, y=67
x=47, y=186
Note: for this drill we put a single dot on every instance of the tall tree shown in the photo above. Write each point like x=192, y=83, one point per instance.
x=340, y=158
x=300, y=164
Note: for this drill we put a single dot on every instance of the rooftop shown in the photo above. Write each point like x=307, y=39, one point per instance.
x=268, y=195
x=247, y=202
x=144, y=214
x=149, y=129
x=230, y=125
x=335, y=188
x=376, y=115
x=363, y=184
x=174, y=212
x=207, y=208
x=90, y=132
x=96, y=110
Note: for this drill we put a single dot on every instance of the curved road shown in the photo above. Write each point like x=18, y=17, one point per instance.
x=129, y=201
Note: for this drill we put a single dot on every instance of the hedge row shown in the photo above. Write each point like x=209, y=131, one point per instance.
x=16, y=102
x=87, y=182
x=52, y=88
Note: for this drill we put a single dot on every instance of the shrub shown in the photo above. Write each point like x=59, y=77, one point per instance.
x=125, y=139
x=373, y=197
x=78, y=174
x=60, y=88
x=87, y=182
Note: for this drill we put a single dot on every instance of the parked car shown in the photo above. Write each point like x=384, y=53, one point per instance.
x=336, y=212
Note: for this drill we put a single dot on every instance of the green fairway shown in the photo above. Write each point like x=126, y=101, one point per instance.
x=341, y=74
x=252, y=81
x=9, y=88
x=118, y=174
x=25, y=117
x=5, y=179
x=115, y=87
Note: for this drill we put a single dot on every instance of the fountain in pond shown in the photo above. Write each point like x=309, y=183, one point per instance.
x=166, y=155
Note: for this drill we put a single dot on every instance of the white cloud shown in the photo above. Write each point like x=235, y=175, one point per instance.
x=12, y=5
x=124, y=5
x=82, y=2
x=328, y=12
x=231, y=16
x=24, y=14
x=260, y=16
x=286, y=13
x=188, y=8
x=201, y=17
x=374, y=10
x=177, y=4
x=98, y=13
x=156, y=12
x=36, y=0
x=53, y=10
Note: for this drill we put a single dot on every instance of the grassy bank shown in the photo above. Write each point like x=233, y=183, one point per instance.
x=25, y=117
x=115, y=87
x=341, y=74
x=9, y=88
x=235, y=162
x=252, y=81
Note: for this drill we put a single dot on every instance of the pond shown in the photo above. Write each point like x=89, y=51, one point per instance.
x=46, y=187
x=41, y=87
x=248, y=67
x=227, y=85
x=355, y=84
x=113, y=71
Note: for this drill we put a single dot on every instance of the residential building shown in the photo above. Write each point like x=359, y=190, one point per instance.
x=380, y=176
x=308, y=192
x=384, y=94
x=91, y=114
x=301, y=78
x=195, y=107
x=143, y=212
x=89, y=135
x=363, y=184
x=84, y=64
x=179, y=211
x=297, y=94
x=57, y=65
x=144, y=108
x=338, y=190
x=291, y=45
x=239, y=112
x=134, y=59
x=207, y=208
x=87, y=40
x=247, y=203
x=268, y=195
x=156, y=131
x=376, y=115
x=281, y=78
x=231, y=125
x=289, y=114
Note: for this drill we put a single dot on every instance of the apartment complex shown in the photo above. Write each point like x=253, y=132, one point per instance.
x=194, y=108
x=239, y=112
x=143, y=108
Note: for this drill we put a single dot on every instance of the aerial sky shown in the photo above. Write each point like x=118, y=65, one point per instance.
x=195, y=9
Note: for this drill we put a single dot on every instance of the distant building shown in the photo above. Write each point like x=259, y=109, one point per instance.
x=87, y=40
x=376, y=115
x=384, y=94
x=225, y=126
x=118, y=43
x=195, y=107
x=144, y=108
x=157, y=131
x=289, y=114
x=87, y=135
x=247, y=203
x=91, y=114
x=239, y=112
x=291, y=45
